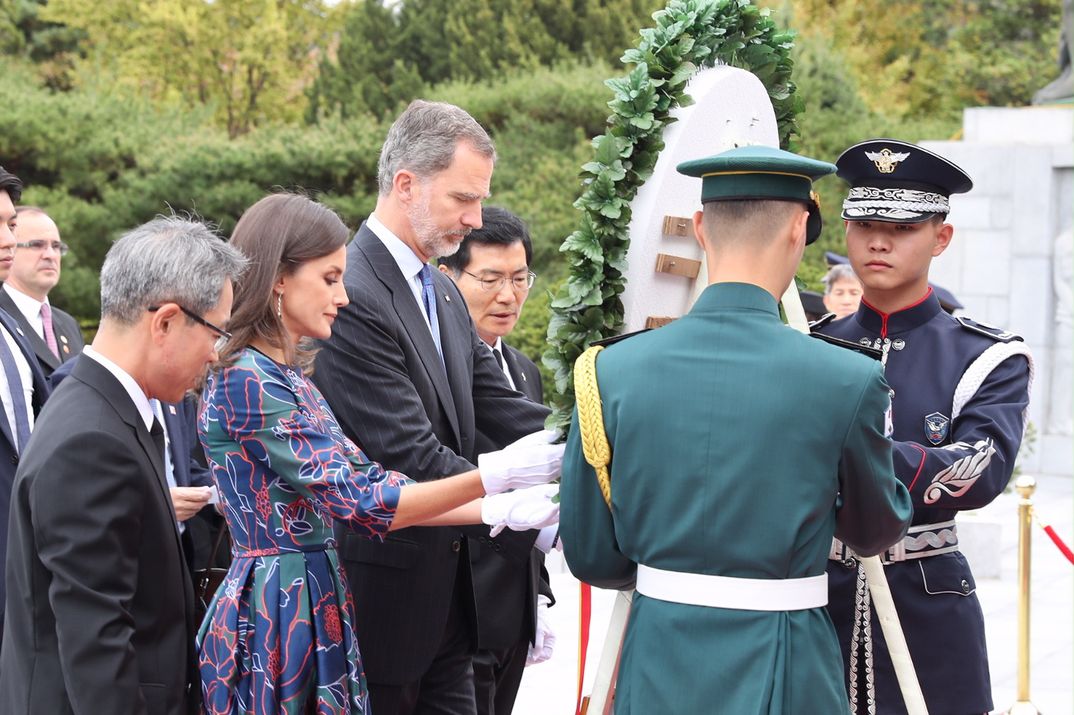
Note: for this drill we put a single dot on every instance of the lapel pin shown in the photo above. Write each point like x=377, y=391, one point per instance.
x=66, y=349
x=171, y=409
x=446, y=298
x=63, y=338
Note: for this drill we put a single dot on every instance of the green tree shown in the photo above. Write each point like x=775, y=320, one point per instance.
x=912, y=59
x=250, y=61
x=391, y=52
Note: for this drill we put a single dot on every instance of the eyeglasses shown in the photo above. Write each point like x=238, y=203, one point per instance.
x=222, y=335
x=40, y=245
x=519, y=283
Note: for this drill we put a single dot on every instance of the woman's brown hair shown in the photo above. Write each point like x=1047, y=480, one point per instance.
x=278, y=234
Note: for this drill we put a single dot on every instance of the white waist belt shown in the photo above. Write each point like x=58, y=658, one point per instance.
x=744, y=594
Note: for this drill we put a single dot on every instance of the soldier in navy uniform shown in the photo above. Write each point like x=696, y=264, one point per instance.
x=960, y=394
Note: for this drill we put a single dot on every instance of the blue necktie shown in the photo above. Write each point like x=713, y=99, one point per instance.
x=18, y=398
x=428, y=297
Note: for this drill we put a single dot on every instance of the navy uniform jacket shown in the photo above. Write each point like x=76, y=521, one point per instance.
x=961, y=391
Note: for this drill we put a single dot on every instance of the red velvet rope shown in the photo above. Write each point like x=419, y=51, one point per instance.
x=1059, y=543
x=585, y=612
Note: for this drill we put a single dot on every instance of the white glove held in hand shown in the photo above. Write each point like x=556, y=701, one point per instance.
x=544, y=640
x=525, y=463
x=521, y=510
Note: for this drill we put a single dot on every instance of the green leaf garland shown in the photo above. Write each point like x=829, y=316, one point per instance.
x=688, y=35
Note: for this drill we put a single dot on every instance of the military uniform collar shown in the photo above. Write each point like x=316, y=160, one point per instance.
x=720, y=296
x=900, y=321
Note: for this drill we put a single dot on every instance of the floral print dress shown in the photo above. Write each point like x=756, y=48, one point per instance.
x=279, y=634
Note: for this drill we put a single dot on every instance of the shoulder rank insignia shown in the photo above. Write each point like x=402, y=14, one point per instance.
x=886, y=160
x=936, y=426
x=822, y=321
x=991, y=331
x=866, y=350
x=605, y=342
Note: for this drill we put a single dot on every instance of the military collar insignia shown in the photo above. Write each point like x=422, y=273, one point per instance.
x=886, y=160
x=936, y=427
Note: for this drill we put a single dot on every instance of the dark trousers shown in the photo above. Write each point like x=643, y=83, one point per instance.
x=497, y=675
x=447, y=687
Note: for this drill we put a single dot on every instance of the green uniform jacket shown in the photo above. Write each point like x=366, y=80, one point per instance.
x=733, y=439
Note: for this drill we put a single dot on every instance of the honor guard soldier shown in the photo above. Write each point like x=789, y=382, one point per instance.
x=739, y=447
x=960, y=393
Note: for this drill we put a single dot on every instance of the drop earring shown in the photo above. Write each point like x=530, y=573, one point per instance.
x=279, y=306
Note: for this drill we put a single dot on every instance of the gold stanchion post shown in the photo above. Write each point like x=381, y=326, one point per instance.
x=1025, y=485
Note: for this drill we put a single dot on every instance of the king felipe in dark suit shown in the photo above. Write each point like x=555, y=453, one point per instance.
x=382, y=376
x=413, y=397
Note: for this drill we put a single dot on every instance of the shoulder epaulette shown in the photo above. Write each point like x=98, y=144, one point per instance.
x=865, y=350
x=822, y=321
x=605, y=342
x=991, y=331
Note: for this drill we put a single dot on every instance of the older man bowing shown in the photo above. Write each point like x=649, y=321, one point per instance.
x=101, y=615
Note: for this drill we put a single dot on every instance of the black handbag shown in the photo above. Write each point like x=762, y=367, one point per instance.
x=207, y=580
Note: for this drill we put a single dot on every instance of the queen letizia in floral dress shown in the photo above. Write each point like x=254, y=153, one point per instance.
x=279, y=635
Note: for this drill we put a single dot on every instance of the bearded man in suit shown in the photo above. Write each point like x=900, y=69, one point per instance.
x=413, y=384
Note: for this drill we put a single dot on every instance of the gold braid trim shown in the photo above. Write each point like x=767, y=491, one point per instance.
x=598, y=453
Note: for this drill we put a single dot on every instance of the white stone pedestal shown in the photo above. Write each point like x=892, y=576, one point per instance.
x=1010, y=261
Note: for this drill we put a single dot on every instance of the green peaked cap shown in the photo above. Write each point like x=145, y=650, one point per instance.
x=760, y=173
x=756, y=172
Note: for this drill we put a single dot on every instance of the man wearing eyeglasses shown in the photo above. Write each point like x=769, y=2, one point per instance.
x=100, y=606
x=491, y=270
x=53, y=334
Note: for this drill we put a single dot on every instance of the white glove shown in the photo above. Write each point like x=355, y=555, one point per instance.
x=522, y=509
x=544, y=640
x=525, y=463
x=544, y=436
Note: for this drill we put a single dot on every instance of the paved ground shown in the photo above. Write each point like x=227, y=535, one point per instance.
x=549, y=688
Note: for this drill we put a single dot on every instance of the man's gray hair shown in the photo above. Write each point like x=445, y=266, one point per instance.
x=168, y=260
x=423, y=139
x=838, y=272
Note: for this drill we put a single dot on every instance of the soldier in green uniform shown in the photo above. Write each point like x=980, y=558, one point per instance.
x=739, y=448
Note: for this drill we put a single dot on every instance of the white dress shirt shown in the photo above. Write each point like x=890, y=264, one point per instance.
x=503, y=358
x=141, y=402
x=409, y=264
x=30, y=308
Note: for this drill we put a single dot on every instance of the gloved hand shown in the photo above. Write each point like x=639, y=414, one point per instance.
x=544, y=640
x=522, y=509
x=529, y=461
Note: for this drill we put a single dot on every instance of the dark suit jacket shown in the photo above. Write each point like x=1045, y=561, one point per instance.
x=64, y=327
x=506, y=582
x=182, y=435
x=101, y=607
x=179, y=421
x=381, y=374
x=9, y=455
